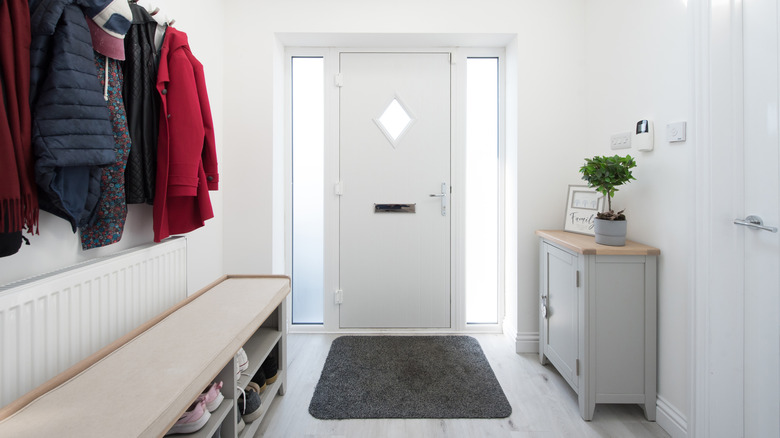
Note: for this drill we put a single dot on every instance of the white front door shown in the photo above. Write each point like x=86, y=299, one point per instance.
x=762, y=199
x=395, y=184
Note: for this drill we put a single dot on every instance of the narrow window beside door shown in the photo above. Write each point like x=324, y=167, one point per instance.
x=308, y=134
x=482, y=189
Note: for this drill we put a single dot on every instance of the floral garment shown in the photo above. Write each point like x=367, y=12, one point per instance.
x=112, y=207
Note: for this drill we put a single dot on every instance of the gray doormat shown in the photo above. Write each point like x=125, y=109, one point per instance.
x=407, y=377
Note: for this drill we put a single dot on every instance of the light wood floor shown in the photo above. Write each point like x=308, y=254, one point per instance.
x=543, y=405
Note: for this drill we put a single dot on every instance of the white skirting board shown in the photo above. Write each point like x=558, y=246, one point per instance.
x=527, y=342
x=52, y=321
x=671, y=419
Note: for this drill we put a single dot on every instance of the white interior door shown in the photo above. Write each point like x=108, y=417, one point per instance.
x=762, y=196
x=736, y=302
x=395, y=181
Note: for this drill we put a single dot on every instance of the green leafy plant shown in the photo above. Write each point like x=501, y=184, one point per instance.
x=605, y=174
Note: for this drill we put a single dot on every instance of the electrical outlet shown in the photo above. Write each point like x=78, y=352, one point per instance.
x=620, y=141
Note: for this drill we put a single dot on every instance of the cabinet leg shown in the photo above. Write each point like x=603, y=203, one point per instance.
x=649, y=408
x=586, y=410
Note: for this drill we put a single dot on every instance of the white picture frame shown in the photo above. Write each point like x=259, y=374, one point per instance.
x=582, y=205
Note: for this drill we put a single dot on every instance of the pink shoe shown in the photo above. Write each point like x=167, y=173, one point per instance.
x=194, y=419
x=212, y=396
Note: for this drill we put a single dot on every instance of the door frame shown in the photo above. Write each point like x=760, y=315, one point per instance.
x=457, y=166
x=716, y=324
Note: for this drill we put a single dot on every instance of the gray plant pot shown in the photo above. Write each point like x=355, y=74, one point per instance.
x=612, y=233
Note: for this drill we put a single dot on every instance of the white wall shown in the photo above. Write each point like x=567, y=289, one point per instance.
x=639, y=66
x=549, y=47
x=549, y=88
x=56, y=246
x=585, y=70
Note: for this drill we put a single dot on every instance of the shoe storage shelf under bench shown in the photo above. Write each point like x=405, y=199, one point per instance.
x=141, y=385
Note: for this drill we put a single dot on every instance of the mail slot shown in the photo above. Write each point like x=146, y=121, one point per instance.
x=394, y=208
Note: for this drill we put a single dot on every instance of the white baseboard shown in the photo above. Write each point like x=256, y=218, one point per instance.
x=671, y=419
x=527, y=342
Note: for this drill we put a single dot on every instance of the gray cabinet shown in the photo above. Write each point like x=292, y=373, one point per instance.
x=598, y=318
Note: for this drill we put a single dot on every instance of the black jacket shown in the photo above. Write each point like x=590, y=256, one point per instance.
x=143, y=106
x=72, y=136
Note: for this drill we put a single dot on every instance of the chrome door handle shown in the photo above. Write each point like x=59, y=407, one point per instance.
x=443, y=196
x=754, y=222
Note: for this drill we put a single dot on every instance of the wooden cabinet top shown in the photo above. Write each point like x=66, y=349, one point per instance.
x=587, y=244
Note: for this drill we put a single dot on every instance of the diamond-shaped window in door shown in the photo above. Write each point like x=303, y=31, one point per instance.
x=395, y=121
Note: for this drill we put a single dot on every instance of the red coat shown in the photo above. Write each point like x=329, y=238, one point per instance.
x=186, y=153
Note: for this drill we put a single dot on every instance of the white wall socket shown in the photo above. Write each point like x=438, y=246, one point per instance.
x=620, y=141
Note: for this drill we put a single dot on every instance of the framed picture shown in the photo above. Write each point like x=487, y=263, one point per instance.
x=582, y=205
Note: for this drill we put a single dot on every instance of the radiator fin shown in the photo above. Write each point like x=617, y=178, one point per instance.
x=50, y=322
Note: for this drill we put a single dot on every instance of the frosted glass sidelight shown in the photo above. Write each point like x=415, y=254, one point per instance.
x=481, y=197
x=308, y=145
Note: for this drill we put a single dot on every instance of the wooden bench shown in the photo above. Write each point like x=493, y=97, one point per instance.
x=140, y=385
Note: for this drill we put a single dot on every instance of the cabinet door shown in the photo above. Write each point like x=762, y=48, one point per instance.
x=561, y=323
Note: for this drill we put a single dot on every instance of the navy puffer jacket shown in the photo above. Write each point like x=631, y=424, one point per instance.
x=72, y=136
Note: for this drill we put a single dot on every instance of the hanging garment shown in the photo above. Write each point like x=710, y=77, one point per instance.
x=163, y=20
x=186, y=152
x=143, y=106
x=18, y=197
x=72, y=136
x=10, y=242
x=112, y=208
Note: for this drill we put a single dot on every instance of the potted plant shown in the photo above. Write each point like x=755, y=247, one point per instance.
x=605, y=174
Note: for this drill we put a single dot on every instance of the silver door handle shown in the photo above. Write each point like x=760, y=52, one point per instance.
x=443, y=196
x=754, y=222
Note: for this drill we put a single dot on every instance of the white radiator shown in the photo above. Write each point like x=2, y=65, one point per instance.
x=50, y=322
